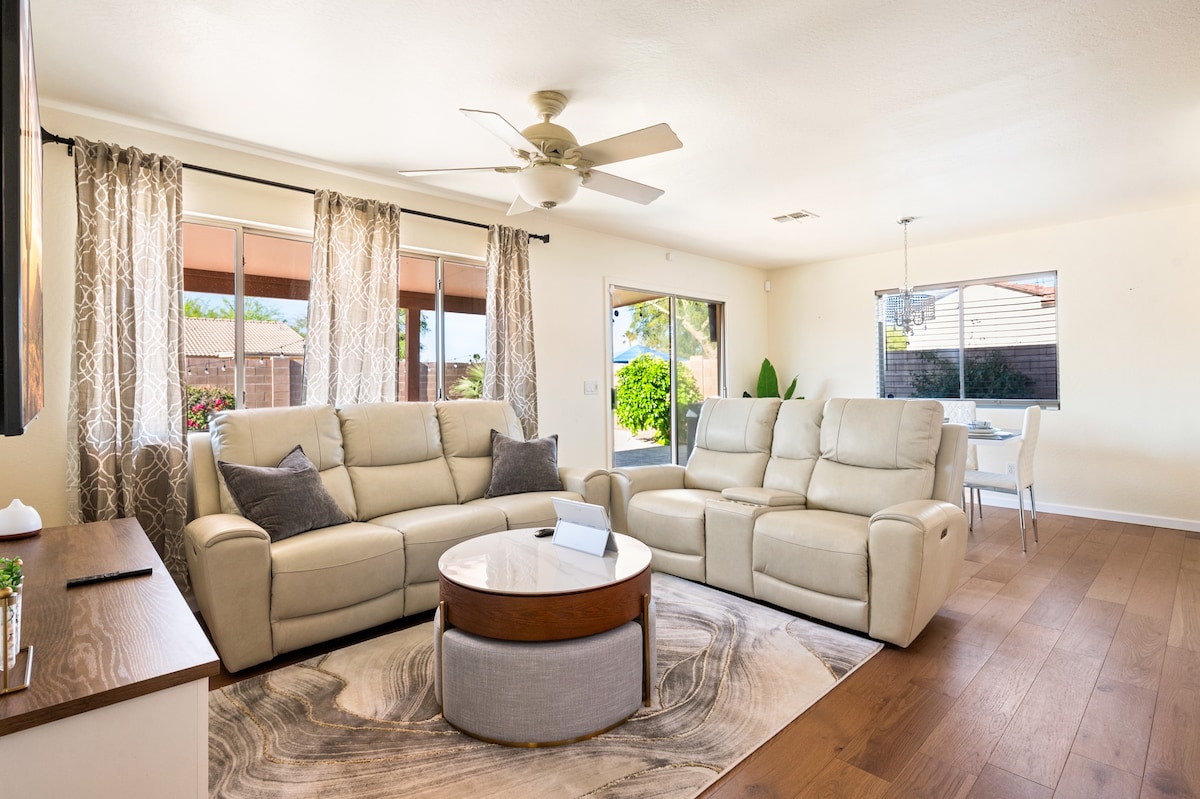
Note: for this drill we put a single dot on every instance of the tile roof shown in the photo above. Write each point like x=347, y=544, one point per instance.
x=213, y=338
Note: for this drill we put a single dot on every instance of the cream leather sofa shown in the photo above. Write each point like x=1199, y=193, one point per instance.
x=410, y=476
x=845, y=510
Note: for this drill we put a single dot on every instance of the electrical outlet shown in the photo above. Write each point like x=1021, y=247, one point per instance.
x=591, y=387
x=1012, y=469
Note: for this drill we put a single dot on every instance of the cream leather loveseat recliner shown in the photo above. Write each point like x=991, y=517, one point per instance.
x=845, y=510
x=411, y=476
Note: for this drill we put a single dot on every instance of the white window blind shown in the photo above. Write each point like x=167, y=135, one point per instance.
x=994, y=341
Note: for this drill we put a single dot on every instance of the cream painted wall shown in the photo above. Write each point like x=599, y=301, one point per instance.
x=569, y=277
x=1125, y=445
x=1119, y=448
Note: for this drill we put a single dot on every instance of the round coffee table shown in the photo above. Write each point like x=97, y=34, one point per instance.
x=538, y=644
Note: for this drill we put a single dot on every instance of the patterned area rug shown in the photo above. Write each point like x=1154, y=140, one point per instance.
x=362, y=722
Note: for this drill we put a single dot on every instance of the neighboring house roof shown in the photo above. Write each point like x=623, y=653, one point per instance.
x=1048, y=294
x=637, y=350
x=213, y=338
x=998, y=315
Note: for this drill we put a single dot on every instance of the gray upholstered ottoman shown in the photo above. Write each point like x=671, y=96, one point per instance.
x=538, y=644
x=540, y=693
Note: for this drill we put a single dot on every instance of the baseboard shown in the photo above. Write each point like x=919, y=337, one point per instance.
x=1010, y=501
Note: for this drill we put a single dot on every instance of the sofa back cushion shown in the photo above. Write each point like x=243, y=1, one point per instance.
x=733, y=443
x=394, y=457
x=795, y=446
x=875, y=453
x=262, y=436
x=467, y=427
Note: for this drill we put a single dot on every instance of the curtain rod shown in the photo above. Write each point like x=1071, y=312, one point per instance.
x=47, y=136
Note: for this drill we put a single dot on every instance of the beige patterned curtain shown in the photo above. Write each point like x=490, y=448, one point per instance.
x=125, y=420
x=350, y=354
x=511, y=370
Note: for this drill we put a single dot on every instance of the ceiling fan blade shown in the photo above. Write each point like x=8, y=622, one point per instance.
x=502, y=129
x=620, y=187
x=647, y=141
x=506, y=170
x=519, y=206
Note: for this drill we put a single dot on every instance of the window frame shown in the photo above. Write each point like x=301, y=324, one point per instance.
x=440, y=259
x=241, y=229
x=959, y=286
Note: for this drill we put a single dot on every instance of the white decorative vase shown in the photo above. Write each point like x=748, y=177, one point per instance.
x=19, y=520
x=10, y=624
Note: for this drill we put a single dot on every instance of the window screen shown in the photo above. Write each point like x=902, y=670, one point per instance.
x=994, y=341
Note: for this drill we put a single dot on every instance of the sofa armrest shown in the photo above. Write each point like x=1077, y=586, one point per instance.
x=915, y=552
x=591, y=484
x=771, y=497
x=627, y=481
x=229, y=560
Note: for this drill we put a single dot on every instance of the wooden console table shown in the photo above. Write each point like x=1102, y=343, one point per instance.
x=118, y=700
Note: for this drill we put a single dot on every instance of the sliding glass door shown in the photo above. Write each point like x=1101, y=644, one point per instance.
x=667, y=356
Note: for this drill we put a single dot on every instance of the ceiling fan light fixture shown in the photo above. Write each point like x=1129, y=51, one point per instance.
x=547, y=184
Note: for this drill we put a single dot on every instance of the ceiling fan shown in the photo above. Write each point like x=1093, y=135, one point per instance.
x=555, y=165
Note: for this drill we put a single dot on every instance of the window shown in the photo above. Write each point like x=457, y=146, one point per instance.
x=442, y=328
x=667, y=357
x=994, y=341
x=245, y=347
x=245, y=318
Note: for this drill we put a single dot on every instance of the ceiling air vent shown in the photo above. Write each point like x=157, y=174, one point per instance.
x=797, y=216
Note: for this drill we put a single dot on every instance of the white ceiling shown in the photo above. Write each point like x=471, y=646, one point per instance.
x=973, y=116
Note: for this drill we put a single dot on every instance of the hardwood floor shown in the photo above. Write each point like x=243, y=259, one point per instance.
x=1072, y=670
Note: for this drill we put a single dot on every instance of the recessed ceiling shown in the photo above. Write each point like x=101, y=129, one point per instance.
x=976, y=117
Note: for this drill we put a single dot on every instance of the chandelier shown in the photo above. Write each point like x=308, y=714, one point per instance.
x=907, y=310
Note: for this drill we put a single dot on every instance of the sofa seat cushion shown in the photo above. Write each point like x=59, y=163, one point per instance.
x=533, y=509
x=428, y=532
x=671, y=519
x=823, y=551
x=334, y=567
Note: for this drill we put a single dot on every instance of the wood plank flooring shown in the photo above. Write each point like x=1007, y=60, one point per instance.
x=1072, y=670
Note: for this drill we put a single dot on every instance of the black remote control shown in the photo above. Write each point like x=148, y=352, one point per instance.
x=103, y=578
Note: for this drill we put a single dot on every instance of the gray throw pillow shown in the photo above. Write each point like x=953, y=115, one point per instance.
x=284, y=500
x=521, y=466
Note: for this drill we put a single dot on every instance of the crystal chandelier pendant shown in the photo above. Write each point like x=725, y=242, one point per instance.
x=909, y=310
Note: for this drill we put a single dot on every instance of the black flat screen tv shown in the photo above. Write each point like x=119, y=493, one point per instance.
x=21, y=368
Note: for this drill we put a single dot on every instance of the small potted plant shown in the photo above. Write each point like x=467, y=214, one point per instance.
x=10, y=606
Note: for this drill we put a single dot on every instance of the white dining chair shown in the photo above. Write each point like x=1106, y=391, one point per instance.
x=963, y=412
x=1019, y=480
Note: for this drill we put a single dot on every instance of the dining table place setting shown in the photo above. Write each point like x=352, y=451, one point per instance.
x=983, y=429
